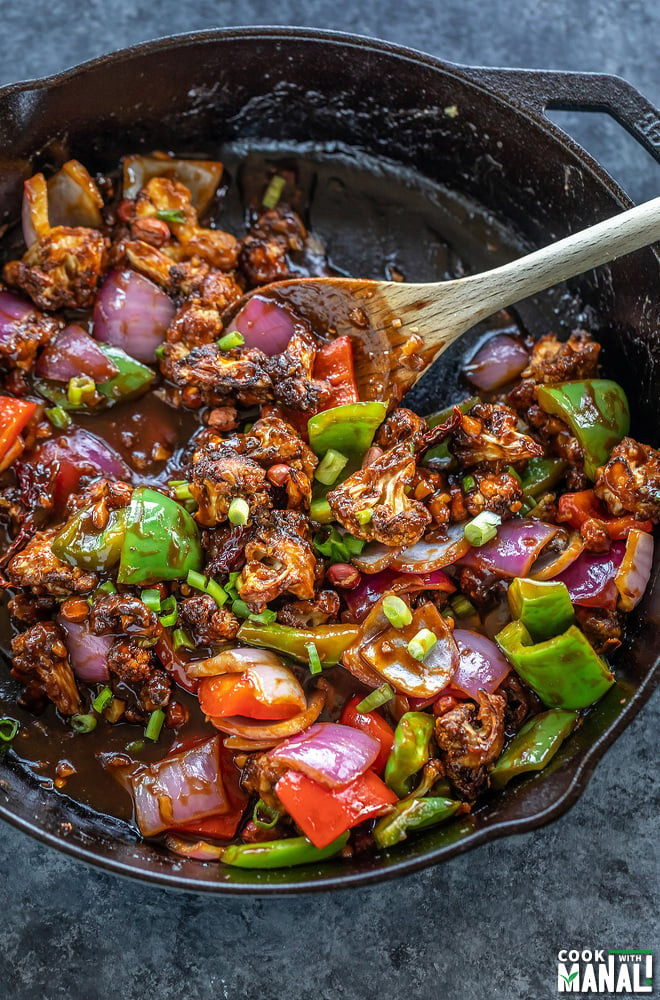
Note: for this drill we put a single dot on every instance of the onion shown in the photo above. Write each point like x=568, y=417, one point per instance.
x=550, y=564
x=179, y=789
x=371, y=588
x=231, y=661
x=235, y=743
x=433, y=552
x=200, y=850
x=498, y=361
x=76, y=454
x=14, y=312
x=634, y=572
x=375, y=557
x=264, y=324
x=174, y=663
x=329, y=753
x=257, y=730
x=74, y=353
x=512, y=552
x=481, y=666
x=132, y=313
x=590, y=579
x=201, y=177
x=87, y=652
x=70, y=198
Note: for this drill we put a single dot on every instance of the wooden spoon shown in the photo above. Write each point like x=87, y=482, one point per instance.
x=399, y=329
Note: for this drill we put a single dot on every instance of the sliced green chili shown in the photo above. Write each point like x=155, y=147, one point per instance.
x=376, y=698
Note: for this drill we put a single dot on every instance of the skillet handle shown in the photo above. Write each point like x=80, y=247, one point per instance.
x=538, y=90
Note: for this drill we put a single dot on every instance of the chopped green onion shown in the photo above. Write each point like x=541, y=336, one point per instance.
x=81, y=389
x=8, y=729
x=482, y=528
x=266, y=617
x=180, y=639
x=169, y=612
x=107, y=587
x=337, y=547
x=314, y=658
x=102, y=699
x=154, y=725
x=152, y=600
x=261, y=808
x=396, y=611
x=182, y=491
x=233, y=339
x=376, y=698
x=171, y=215
x=469, y=483
x=421, y=644
x=512, y=472
x=364, y=516
x=239, y=511
x=83, y=723
x=240, y=608
x=273, y=192
x=461, y=607
x=319, y=510
x=330, y=467
x=207, y=586
x=135, y=746
x=58, y=417
x=230, y=586
x=160, y=351
x=248, y=428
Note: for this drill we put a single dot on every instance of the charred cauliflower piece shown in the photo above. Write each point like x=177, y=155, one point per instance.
x=133, y=665
x=401, y=426
x=291, y=373
x=554, y=360
x=264, y=254
x=278, y=559
x=208, y=623
x=41, y=664
x=239, y=372
x=276, y=445
x=470, y=738
x=119, y=614
x=372, y=503
x=488, y=433
x=630, y=482
x=198, y=320
x=19, y=346
x=219, y=475
x=499, y=492
x=36, y=567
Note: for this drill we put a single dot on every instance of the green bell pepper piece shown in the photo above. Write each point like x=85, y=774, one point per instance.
x=410, y=751
x=412, y=814
x=281, y=853
x=541, y=475
x=132, y=380
x=544, y=607
x=80, y=543
x=596, y=411
x=161, y=540
x=331, y=641
x=565, y=672
x=349, y=429
x=533, y=746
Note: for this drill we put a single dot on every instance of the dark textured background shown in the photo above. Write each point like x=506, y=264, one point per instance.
x=488, y=923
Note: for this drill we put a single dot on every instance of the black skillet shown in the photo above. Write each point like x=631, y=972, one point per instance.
x=415, y=163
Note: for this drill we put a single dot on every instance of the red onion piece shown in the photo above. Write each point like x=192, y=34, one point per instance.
x=635, y=570
x=375, y=557
x=433, y=552
x=74, y=353
x=87, y=652
x=201, y=177
x=200, y=850
x=481, y=665
x=132, y=313
x=188, y=784
x=512, y=552
x=498, y=361
x=175, y=664
x=264, y=324
x=13, y=313
x=372, y=587
x=76, y=454
x=329, y=753
x=590, y=579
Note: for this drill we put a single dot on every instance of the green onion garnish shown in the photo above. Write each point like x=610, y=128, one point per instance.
x=364, y=516
x=482, y=528
x=83, y=723
x=182, y=491
x=319, y=510
x=396, y=611
x=314, y=658
x=152, y=600
x=512, y=472
x=240, y=608
x=233, y=339
x=469, y=483
x=230, y=586
x=8, y=729
x=266, y=617
x=207, y=586
x=273, y=192
x=421, y=644
x=58, y=417
x=169, y=612
x=461, y=607
x=135, y=746
x=81, y=389
x=102, y=699
x=171, y=215
x=261, y=809
x=155, y=724
x=160, y=351
x=181, y=639
x=331, y=465
x=376, y=698
x=239, y=511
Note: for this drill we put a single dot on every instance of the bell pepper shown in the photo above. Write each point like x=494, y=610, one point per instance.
x=222, y=827
x=161, y=541
x=597, y=412
x=14, y=415
x=374, y=725
x=576, y=508
x=234, y=694
x=132, y=380
x=334, y=364
x=410, y=751
x=349, y=429
x=544, y=608
x=412, y=814
x=564, y=671
x=533, y=746
x=80, y=543
x=281, y=853
x=324, y=814
x=330, y=640
x=541, y=475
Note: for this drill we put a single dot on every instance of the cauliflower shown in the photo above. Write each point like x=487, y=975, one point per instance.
x=488, y=433
x=219, y=475
x=554, y=360
x=470, y=738
x=630, y=482
x=278, y=559
x=41, y=664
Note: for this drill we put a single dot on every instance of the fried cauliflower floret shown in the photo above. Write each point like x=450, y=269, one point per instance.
x=499, y=492
x=291, y=373
x=278, y=559
x=41, y=664
x=488, y=433
x=630, y=482
x=372, y=503
x=134, y=666
x=219, y=475
x=36, y=567
x=276, y=445
x=26, y=336
x=237, y=372
x=119, y=614
x=402, y=425
x=554, y=360
x=470, y=738
x=62, y=269
x=264, y=253
x=208, y=623
x=198, y=320
x=307, y=614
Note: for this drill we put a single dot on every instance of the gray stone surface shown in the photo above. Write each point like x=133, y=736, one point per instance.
x=488, y=923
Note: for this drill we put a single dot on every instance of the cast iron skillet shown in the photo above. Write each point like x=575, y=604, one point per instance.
x=394, y=132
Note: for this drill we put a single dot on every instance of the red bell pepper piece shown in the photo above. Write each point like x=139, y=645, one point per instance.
x=234, y=694
x=373, y=725
x=576, y=508
x=14, y=415
x=334, y=364
x=323, y=814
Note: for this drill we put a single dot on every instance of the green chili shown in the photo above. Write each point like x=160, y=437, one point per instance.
x=412, y=814
x=410, y=751
x=261, y=808
x=533, y=746
x=330, y=640
x=281, y=853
